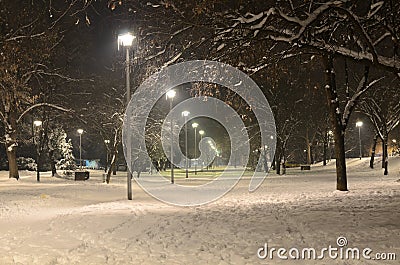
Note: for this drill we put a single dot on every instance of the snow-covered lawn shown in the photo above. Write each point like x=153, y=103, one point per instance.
x=61, y=221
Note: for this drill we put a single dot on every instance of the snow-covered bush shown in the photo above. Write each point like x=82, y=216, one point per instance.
x=26, y=163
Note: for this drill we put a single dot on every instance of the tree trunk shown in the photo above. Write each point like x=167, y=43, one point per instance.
x=112, y=167
x=278, y=158
x=53, y=168
x=341, y=174
x=12, y=162
x=325, y=148
x=284, y=162
x=371, y=161
x=308, y=148
x=335, y=118
x=52, y=163
x=11, y=144
x=38, y=167
x=273, y=163
x=385, y=158
x=278, y=167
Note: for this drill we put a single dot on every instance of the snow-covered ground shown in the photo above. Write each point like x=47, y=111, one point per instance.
x=61, y=221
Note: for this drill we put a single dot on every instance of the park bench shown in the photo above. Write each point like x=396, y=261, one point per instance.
x=81, y=175
x=305, y=167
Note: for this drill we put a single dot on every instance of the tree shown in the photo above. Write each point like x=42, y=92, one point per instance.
x=382, y=107
x=60, y=150
x=30, y=34
x=252, y=34
x=345, y=29
x=67, y=162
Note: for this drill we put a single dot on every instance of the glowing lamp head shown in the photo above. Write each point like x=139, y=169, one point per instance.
x=80, y=131
x=106, y=141
x=359, y=124
x=37, y=123
x=125, y=40
x=195, y=125
x=201, y=132
x=185, y=113
x=171, y=94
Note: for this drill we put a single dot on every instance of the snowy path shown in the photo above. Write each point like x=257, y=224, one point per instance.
x=63, y=222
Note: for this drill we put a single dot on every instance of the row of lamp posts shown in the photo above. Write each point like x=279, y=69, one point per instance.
x=170, y=96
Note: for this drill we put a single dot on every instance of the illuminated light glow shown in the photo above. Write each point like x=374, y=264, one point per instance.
x=125, y=40
x=171, y=94
x=37, y=123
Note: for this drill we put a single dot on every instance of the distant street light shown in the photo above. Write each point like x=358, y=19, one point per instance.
x=359, y=124
x=37, y=124
x=195, y=125
x=80, y=131
x=126, y=40
x=201, y=132
x=185, y=114
x=170, y=95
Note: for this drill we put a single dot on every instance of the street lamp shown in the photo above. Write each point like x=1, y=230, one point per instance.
x=185, y=114
x=394, y=141
x=201, y=132
x=195, y=125
x=170, y=95
x=37, y=124
x=126, y=40
x=359, y=124
x=80, y=131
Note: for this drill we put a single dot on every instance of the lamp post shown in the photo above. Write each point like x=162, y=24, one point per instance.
x=37, y=124
x=394, y=141
x=201, y=132
x=185, y=114
x=126, y=41
x=106, y=142
x=80, y=131
x=359, y=124
x=170, y=95
x=208, y=153
x=330, y=140
x=195, y=125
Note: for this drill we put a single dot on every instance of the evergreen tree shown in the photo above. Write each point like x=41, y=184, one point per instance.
x=67, y=162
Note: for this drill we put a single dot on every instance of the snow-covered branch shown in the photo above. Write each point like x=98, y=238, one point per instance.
x=39, y=105
x=312, y=29
x=25, y=36
x=361, y=89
